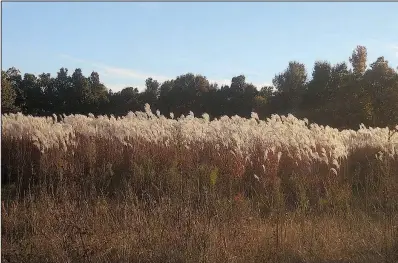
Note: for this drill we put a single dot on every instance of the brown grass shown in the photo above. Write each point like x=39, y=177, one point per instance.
x=102, y=201
x=101, y=230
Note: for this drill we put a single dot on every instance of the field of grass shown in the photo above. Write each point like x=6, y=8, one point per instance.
x=144, y=188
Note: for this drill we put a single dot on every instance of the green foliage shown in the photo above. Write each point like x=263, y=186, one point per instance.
x=335, y=95
x=8, y=95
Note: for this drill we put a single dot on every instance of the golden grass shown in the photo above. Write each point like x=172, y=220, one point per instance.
x=145, y=189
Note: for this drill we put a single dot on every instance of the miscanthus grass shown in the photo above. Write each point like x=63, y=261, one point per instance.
x=145, y=188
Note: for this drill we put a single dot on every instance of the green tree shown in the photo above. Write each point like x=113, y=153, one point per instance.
x=8, y=95
x=185, y=93
x=238, y=83
x=35, y=99
x=151, y=93
x=79, y=95
x=63, y=92
x=97, y=95
x=15, y=79
x=381, y=86
x=291, y=85
x=319, y=92
x=46, y=84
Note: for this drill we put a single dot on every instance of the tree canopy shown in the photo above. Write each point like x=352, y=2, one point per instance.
x=337, y=95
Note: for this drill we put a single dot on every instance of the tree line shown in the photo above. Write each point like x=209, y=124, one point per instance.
x=334, y=95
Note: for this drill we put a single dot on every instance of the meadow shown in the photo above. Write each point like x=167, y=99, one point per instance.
x=146, y=188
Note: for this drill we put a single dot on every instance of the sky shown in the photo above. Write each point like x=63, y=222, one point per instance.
x=127, y=42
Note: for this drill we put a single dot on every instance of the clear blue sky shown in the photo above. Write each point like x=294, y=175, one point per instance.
x=127, y=42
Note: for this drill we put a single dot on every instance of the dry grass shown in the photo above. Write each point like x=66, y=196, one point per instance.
x=146, y=189
x=107, y=231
